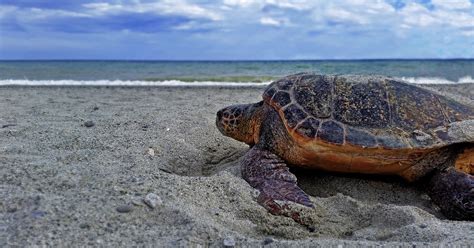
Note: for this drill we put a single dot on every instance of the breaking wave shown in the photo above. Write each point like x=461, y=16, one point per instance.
x=125, y=83
x=25, y=82
x=437, y=80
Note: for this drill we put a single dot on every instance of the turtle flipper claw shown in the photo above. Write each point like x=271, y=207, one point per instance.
x=277, y=196
x=284, y=191
x=269, y=174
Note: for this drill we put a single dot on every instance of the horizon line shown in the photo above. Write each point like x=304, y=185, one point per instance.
x=236, y=60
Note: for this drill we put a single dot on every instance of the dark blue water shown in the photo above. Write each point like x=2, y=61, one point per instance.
x=230, y=71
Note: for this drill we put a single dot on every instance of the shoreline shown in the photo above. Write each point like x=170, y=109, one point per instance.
x=234, y=81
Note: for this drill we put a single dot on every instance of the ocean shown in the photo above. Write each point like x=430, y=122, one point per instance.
x=223, y=72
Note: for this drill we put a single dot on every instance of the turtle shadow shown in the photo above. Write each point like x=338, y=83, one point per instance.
x=368, y=189
x=223, y=160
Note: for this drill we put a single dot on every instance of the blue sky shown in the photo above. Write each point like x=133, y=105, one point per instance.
x=236, y=29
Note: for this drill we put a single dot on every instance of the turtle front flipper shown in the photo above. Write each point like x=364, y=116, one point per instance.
x=453, y=192
x=269, y=174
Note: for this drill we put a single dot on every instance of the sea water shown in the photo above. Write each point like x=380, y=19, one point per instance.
x=223, y=72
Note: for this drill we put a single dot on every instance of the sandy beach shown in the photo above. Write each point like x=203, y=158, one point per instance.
x=76, y=164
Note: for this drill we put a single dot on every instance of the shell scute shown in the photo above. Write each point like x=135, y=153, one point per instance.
x=281, y=99
x=391, y=142
x=358, y=137
x=362, y=104
x=269, y=92
x=293, y=115
x=415, y=108
x=331, y=132
x=455, y=111
x=308, y=128
x=314, y=94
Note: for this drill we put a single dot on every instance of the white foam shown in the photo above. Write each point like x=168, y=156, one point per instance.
x=124, y=83
x=436, y=80
x=25, y=82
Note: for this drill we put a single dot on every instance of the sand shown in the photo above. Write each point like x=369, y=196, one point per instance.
x=77, y=162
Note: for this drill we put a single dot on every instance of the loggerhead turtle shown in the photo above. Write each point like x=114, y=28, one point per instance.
x=354, y=124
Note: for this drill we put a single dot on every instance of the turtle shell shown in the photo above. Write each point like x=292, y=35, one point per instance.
x=368, y=111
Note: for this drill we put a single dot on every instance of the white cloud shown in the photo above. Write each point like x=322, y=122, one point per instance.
x=164, y=7
x=100, y=8
x=36, y=13
x=367, y=13
x=415, y=15
x=184, y=8
x=468, y=33
x=241, y=3
x=284, y=4
x=270, y=21
x=186, y=26
x=335, y=14
x=452, y=4
x=367, y=6
x=33, y=15
x=291, y=4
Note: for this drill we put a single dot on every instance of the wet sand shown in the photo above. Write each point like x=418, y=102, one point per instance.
x=77, y=162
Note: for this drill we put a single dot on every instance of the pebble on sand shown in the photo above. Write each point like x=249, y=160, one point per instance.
x=267, y=241
x=152, y=200
x=137, y=201
x=124, y=208
x=8, y=125
x=89, y=124
x=229, y=242
x=151, y=152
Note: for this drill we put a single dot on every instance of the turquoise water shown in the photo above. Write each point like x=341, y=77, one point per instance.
x=230, y=71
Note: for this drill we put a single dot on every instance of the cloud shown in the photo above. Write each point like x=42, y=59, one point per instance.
x=452, y=4
x=164, y=7
x=336, y=15
x=270, y=21
x=45, y=4
x=240, y=3
x=415, y=15
x=93, y=17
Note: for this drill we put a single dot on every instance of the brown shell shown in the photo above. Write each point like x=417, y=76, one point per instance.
x=367, y=111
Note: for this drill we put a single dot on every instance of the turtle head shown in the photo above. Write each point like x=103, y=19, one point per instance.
x=239, y=121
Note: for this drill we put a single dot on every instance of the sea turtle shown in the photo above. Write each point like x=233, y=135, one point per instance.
x=354, y=124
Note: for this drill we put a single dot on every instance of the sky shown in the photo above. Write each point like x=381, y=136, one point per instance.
x=236, y=29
